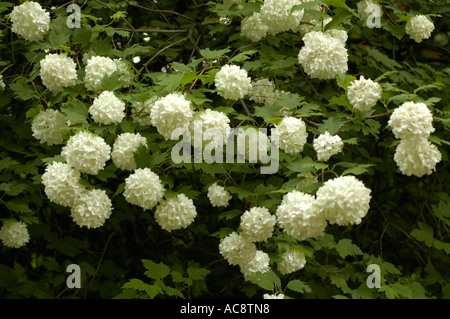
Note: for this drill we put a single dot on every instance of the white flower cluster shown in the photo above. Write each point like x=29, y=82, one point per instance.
x=126, y=76
x=30, y=21
x=125, y=145
x=218, y=195
x=364, y=94
x=171, y=112
x=14, y=234
x=175, y=213
x=300, y=215
x=211, y=126
x=291, y=135
x=232, y=82
x=411, y=120
x=61, y=185
x=419, y=28
x=259, y=263
x=291, y=261
x=2, y=84
x=367, y=7
x=97, y=67
x=142, y=110
x=277, y=15
x=263, y=91
x=257, y=224
x=253, y=28
x=86, y=152
x=327, y=145
x=91, y=208
x=107, y=109
x=344, y=200
x=143, y=188
x=278, y=296
x=58, y=71
x=48, y=127
x=324, y=54
x=236, y=249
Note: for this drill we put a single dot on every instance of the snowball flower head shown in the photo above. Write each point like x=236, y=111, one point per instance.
x=344, y=200
x=30, y=21
x=175, y=213
x=61, y=183
x=269, y=296
x=143, y=188
x=14, y=234
x=291, y=261
x=170, y=113
x=291, y=134
x=417, y=156
x=86, y=152
x=368, y=7
x=364, y=94
x=218, y=195
x=48, y=127
x=107, y=109
x=327, y=145
x=263, y=91
x=277, y=15
x=232, y=82
x=411, y=120
x=419, y=28
x=91, y=209
x=253, y=28
x=324, y=54
x=141, y=113
x=2, y=84
x=236, y=249
x=211, y=127
x=259, y=263
x=257, y=224
x=300, y=216
x=58, y=71
x=125, y=145
x=97, y=67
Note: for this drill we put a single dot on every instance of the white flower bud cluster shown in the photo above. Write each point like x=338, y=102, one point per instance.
x=291, y=261
x=218, y=195
x=367, y=7
x=364, y=94
x=171, y=112
x=232, y=82
x=97, y=67
x=143, y=188
x=58, y=71
x=411, y=120
x=212, y=126
x=107, y=109
x=2, y=84
x=175, y=213
x=257, y=224
x=419, y=28
x=253, y=28
x=14, y=234
x=259, y=263
x=324, y=54
x=277, y=15
x=125, y=145
x=30, y=21
x=237, y=249
x=292, y=135
x=91, y=209
x=263, y=91
x=326, y=146
x=278, y=296
x=48, y=127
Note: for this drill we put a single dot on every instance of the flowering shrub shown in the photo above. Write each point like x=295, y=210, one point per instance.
x=348, y=98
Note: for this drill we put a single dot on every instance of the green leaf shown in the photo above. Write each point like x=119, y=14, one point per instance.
x=229, y=214
x=197, y=273
x=112, y=81
x=167, y=82
x=383, y=59
x=305, y=164
x=345, y=248
x=298, y=286
x=13, y=188
x=243, y=56
x=424, y=233
x=154, y=270
x=268, y=280
x=23, y=90
x=7, y=162
x=76, y=112
x=330, y=125
x=213, y=54
x=357, y=170
x=18, y=205
x=136, y=284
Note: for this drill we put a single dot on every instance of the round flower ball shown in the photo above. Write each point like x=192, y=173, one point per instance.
x=218, y=195
x=417, y=156
x=86, y=152
x=257, y=224
x=344, y=200
x=91, y=209
x=171, y=114
x=291, y=261
x=107, y=109
x=232, y=82
x=291, y=134
x=2, y=84
x=143, y=188
x=273, y=296
x=411, y=120
x=211, y=127
x=327, y=145
x=364, y=94
x=58, y=71
x=300, y=216
x=61, y=185
x=48, y=127
x=96, y=68
x=237, y=249
x=14, y=234
x=366, y=8
x=125, y=145
x=419, y=28
x=263, y=91
x=253, y=28
x=30, y=21
x=175, y=213
x=324, y=55
x=259, y=263
x=277, y=15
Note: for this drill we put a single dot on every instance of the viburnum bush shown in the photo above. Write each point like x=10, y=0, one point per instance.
x=350, y=104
